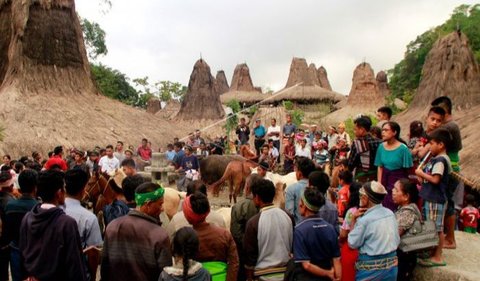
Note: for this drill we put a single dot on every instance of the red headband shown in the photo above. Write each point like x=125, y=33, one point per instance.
x=192, y=217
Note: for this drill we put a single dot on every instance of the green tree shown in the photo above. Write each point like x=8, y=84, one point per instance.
x=94, y=37
x=164, y=90
x=406, y=75
x=114, y=84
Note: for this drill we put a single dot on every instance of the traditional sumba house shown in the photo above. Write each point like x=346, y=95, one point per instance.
x=221, y=83
x=44, y=72
x=382, y=82
x=451, y=70
x=307, y=85
x=365, y=96
x=242, y=88
x=201, y=100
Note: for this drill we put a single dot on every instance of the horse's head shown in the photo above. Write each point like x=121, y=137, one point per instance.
x=254, y=170
x=93, y=189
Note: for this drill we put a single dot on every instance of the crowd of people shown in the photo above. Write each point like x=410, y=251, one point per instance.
x=348, y=217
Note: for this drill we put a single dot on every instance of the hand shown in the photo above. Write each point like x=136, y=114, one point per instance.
x=419, y=172
x=331, y=274
x=359, y=213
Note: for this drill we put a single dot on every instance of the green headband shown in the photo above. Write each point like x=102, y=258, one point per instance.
x=308, y=205
x=143, y=198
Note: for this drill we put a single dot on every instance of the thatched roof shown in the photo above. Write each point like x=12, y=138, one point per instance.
x=201, y=100
x=451, y=70
x=297, y=93
x=243, y=97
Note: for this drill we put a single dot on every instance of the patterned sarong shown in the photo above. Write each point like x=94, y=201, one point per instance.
x=373, y=268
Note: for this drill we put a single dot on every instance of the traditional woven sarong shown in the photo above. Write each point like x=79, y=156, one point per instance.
x=373, y=268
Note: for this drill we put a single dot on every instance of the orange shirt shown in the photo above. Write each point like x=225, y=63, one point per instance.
x=343, y=197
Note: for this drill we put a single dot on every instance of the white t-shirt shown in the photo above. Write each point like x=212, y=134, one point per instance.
x=299, y=151
x=275, y=129
x=108, y=164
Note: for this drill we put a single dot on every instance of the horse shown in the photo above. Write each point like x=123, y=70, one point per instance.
x=235, y=174
x=99, y=191
x=281, y=183
x=247, y=153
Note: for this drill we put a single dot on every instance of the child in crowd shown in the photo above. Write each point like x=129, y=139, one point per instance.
x=321, y=156
x=289, y=155
x=469, y=215
x=346, y=179
x=340, y=151
x=435, y=118
x=184, y=249
x=434, y=179
x=170, y=152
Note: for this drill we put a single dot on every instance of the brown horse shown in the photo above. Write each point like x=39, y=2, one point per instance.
x=247, y=153
x=235, y=174
x=99, y=191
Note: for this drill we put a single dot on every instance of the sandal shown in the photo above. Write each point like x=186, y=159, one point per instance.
x=430, y=263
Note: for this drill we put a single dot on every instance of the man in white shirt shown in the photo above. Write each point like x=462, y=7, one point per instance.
x=109, y=163
x=273, y=133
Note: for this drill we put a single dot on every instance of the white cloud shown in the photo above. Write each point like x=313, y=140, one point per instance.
x=163, y=39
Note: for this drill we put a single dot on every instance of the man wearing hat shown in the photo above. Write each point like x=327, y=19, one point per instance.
x=135, y=235
x=375, y=235
x=259, y=134
x=343, y=134
x=332, y=137
x=315, y=242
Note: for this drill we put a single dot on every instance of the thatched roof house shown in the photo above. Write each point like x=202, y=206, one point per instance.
x=201, y=100
x=297, y=94
x=451, y=70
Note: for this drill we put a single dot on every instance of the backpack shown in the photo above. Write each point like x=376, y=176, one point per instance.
x=115, y=210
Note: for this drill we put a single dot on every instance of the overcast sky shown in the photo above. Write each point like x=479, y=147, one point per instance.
x=163, y=39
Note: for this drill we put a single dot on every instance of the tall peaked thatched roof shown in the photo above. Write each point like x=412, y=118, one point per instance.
x=450, y=69
x=323, y=78
x=48, y=97
x=241, y=80
x=382, y=82
x=364, y=97
x=221, y=83
x=301, y=73
x=365, y=92
x=201, y=100
x=307, y=75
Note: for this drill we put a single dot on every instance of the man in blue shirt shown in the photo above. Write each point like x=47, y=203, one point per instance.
x=315, y=243
x=303, y=168
x=259, y=133
x=289, y=128
x=177, y=160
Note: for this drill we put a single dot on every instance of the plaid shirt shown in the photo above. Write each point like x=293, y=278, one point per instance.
x=354, y=158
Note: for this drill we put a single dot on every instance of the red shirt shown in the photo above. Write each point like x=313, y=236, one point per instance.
x=469, y=216
x=58, y=161
x=343, y=197
x=144, y=153
x=289, y=150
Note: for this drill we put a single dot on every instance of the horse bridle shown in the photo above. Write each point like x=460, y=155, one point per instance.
x=97, y=184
